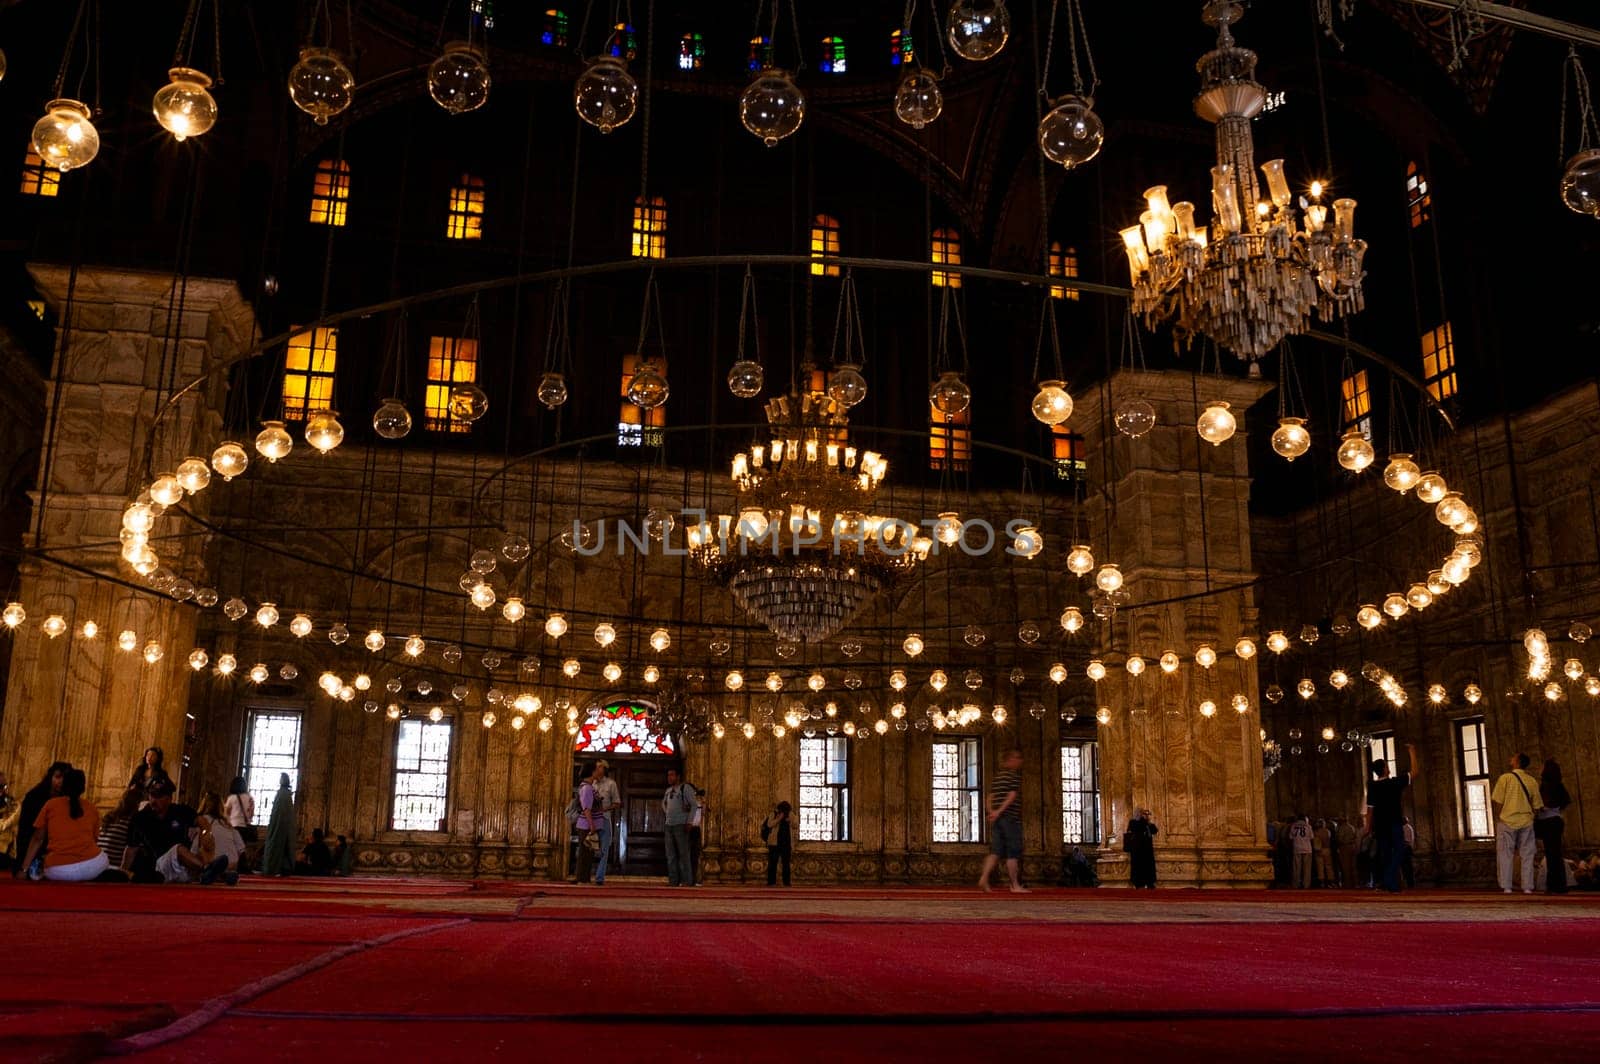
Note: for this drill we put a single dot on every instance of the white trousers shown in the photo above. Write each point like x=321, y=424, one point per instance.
x=78, y=871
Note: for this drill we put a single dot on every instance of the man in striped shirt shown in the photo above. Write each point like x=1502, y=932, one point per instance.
x=1005, y=821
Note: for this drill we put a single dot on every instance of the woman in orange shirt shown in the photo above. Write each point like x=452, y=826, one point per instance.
x=68, y=830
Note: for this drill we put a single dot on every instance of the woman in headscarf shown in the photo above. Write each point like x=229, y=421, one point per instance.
x=55, y=779
x=277, y=859
x=1549, y=826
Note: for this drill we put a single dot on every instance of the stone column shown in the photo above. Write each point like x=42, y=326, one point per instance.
x=1199, y=776
x=79, y=699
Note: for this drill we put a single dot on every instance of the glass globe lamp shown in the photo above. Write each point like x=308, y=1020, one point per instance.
x=913, y=645
x=917, y=99
x=1368, y=616
x=165, y=490
x=458, y=80
x=1580, y=183
x=374, y=640
x=947, y=529
x=320, y=84
x=13, y=615
x=734, y=680
x=183, y=106
x=555, y=626
x=745, y=379
x=1071, y=133
x=846, y=385
x=1109, y=578
x=950, y=394
x=1103, y=715
x=1208, y=709
x=606, y=94
x=323, y=431
x=514, y=609
x=300, y=627
x=651, y=674
x=193, y=474
x=468, y=403
x=1029, y=632
x=1241, y=704
x=660, y=640
x=229, y=460
x=611, y=671
x=1028, y=542
x=570, y=669
x=54, y=625
x=1431, y=487
x=1401, y=474
x=267, y=615
x=552, y=390
x=938, y=680
x=482, y=596
x=1134, y=418
x=415, y=645
x=65, y=138
x=1396, y=606
x=1072, y=619
x=1245, y=648
x=1080, y=560
x=1095, y=670
x=771, y=107
x=392, y=420
x=604, y=634
x=273, y=441
x=978, y=29
x=198, y=659
x=1051, y=404
x=1355, y=453
x=1451, y=509
x=1291, y=440
x=647, y=388
x=152, y=652
x=1216, y=424
x=1135, y=665
x=1205, y=656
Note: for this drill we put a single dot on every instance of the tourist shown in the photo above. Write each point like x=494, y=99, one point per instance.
x=1346, y=840
x=1005, y=822
x=115, y=825
x=680, y=805
x=1322, y=853
x=10, y=815
x=239, y=808
x=607, y=800
x=343, y=857
x=55, y=778
x=277, y=856
x=160, y=841
x=315, y=857
x=1408, y=870
x=696, y=837
x=149, y=769
x=66, y=833
x=1386, y=820
x=587, y=824
x=1300, y=839
x=1549, y=825
x=219, y=848
x=1513, y=829
x=780, y=842
x=1139, y=843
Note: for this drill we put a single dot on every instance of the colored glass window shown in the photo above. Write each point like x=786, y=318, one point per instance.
x=622, y=728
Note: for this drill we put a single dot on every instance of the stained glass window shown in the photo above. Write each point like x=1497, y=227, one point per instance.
x=622, y=728
x=760, y=53
x=482, y=13
x=555, y=28
x=1418, y=202
x=272, y=747
x=691, y=51
x=451, y=361
x=901, y=50
x=37, y=178
x=1439, y=362
x=946, y=251
x=824, y=243
x=957, y=783
x=422, y=775
x=308, y=372
x=465, y=221
x=1080, y=793
x=1063, y=263
x=833, y=57
x=825, y=788
x=330, y=192
x=624, y=42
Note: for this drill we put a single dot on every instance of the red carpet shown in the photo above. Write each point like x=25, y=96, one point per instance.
x=744, y=974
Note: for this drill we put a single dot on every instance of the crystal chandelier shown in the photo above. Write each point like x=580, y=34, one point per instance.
x=805, y=549
x=1256, y=273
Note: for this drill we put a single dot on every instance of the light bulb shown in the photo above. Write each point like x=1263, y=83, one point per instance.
x=1208, y=708
x=555, y=626
x=273, y=441
x=1245, y=648
x=570, y=668
x=734, y=680
x=771, y=107
x=897, y=679
x=1169, y=662
x=1072, y=619
x=226, y=663
x=1355, y=453
x=258, y=673
x=320, y=84
x=612, y=672
x=1052, y=405
x=816, y=681
x=1573, y=668
x=1339, y=679
x=1306, y=688
x=1401, y=473
x=605, y=94
x=1241, y=704
x=746, y=378
x=54, y=625
x=184, y=107
x=166, y=490
x=198, y=659
x=392, y=420
x=193, y=474
x=846, y=385
x=938, y=680
x=1135, y=665
x=482, y=595
x=1205, y=656
x=459, y=79
x=950, y=394
x=152, y=652
x=1095, y=670
x=414, y=646
x=267, y=615
x=1109, y=578
x=1103, y=715
x=1368, y=616
x=89, y=630
x=604, y=634
x=362, y=682
x=912, y=645
x=1058, y=673
x=64, y=138
x=660, y=640
x=1216, y=424
x=513, y=610
x=229, y=460
x=300, y=626
x=1395, y=606
x=978, y=29
x=774, y=682
x=1431, y=487
x=918, y=99
x=323, y=431
x=651, y=674
x=1291, y=440
x=1080, y=560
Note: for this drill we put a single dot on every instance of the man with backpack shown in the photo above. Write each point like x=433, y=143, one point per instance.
x=680, y=805
x=1513, y=830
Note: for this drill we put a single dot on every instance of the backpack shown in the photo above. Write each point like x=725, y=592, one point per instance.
x=574, y=810
x=766, y=831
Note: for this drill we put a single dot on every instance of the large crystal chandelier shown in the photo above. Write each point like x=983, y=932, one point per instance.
x=805, y=548
x=1257, y=273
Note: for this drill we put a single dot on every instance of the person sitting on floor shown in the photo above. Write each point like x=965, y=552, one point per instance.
x=216, y=840
x=315, y=859
x=160, y=839
x=55, y=778
x=115, y=825
x=343, y=857
x=65, y=832
x=10, y=815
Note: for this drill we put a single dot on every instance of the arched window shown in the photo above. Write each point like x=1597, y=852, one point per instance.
x=624, y=42
x=1063, y=263
x=622, y=728
x=452, y=360
x=1418, y=203
x=946, y=251
x=330, y=192
x=37, y=178
x=466, y=209
x=636, y=426
x=824, y=245
x=949, y=439
x=555, y=28
x=649, y=228
x=901, y=50
x=760, y=52
x=691, y=51
x=308, y=369
x=833, y=56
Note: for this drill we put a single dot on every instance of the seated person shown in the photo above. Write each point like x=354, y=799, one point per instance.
x=159, y=840
x=217, y=842
x=116, y=824
x=65, y=831
x=343, y=857
x=316, y=859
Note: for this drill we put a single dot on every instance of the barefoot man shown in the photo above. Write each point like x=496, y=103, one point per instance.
x=1005, y=821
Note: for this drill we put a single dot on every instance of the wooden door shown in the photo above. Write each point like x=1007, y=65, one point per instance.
x=638, y=845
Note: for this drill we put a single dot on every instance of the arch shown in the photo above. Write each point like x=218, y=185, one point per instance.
x=623, y=726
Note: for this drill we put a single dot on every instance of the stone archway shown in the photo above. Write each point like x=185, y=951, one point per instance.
x=621, y=731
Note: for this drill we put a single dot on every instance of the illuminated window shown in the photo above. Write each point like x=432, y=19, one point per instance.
x=1380, y=747
x=271, y=748
x=760, y=53
x=1067, y=449
x=37, y=306
x=649, y=228
x=1472, y=763
x=824, y=245
x=308, y=372
x=1418, y=202
x=957, y=790
x=482, y=13
x=901, y=51
x=1080, y=793
x=946, y=251
x=1063, y=263
x=1357, y=405
x=1439, y=362
x=451, y=361
x=691, y=51
x=624, y=42
x=622, y=728
x=422, y=775
x=555, y=28
x=833, y=60
x=825, y=788
x=949, y=438
x=466, y=209
x=330, y=192
x=37, y=178
x=636, y=426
